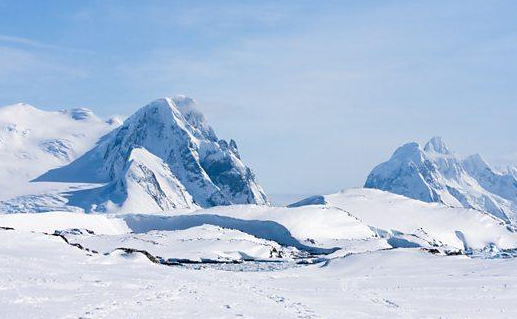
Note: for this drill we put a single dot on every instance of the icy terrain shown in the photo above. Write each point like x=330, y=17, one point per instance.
x=45, y=276
x=434, y=174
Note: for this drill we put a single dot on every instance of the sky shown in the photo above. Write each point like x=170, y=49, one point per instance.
x=316, y=93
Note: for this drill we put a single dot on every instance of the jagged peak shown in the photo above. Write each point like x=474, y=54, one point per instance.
x=169, y=105
x=180, y=103
x=182, y=110
x=158, y=133
x=408, y=151
x=436, y=145
x=162, y=104
x=186, y=104
x=161, y=110
x=189, y=108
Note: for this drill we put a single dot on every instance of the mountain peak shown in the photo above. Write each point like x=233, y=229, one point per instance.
x=185, y=104
x=408, y=152
x=434, y=174
x=408, y=148
x=164, y=104
x=189, y=108
x=177, y=136
x=437, y=145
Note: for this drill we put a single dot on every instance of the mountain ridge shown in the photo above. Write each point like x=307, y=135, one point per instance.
x=209, y=168
x=434, y=174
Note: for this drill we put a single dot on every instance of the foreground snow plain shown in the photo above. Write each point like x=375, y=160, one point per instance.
x=43, y=277
x=355, y=254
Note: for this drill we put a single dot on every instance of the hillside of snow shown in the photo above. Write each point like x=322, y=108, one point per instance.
x=438, y=225
x=33, y=141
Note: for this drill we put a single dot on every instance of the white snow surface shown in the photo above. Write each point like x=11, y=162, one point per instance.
x=52, y=221
x=361, y=253
x=32, y=141
x=392, y=214
x=43, y=277
x=321, y=226
x=205, y=243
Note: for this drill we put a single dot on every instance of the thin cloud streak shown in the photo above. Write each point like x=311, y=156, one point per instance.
x=35, y=44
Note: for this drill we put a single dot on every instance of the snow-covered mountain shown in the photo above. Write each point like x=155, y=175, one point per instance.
x=434, y=174
x=164, y=156
x=33, y=141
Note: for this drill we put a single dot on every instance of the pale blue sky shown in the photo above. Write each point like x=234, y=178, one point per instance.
x=315, y=92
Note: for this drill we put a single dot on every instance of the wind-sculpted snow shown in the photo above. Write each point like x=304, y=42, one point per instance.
x=313, y=200
x=265, y=229
x=196, y=244
x=316, y=226
x=439, y=225
x=208, y=169
x=435, y=174
x=317, y=230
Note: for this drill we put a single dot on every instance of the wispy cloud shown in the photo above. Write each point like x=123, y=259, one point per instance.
x=7, y=39
x=15, y=62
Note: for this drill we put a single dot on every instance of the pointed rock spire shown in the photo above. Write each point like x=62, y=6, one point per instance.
x=437, y=145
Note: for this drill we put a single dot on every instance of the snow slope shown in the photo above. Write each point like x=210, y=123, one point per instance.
x=52, y=221
x=109, y=265
x=392, y=214
x=174, y=142
x=146, y=184
x=434, y=174
x=205, y=243
x=313, y=229
x=343, y=221
x=33, y=141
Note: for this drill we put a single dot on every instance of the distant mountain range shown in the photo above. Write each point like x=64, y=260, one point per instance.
x=165, y=156
x=434, y=174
